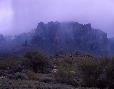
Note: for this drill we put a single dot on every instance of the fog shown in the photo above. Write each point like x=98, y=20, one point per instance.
x=17, y=16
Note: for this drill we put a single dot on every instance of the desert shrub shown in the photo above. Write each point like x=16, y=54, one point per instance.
x=66, y=72
x=110, y=74
x=66, y=75
x=87, y=69
x=78, y=71
x=10, y=64
x=94, y=72
x=106, y=78
x=38, y=62
x=31, y=75
x=88, y=73
x=20, y=76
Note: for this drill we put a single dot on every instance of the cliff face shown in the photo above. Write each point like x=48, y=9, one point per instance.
x=56, y=37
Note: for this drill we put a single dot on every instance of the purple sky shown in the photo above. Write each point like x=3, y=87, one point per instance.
x=17, y=16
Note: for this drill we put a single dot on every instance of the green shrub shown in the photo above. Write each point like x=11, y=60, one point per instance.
x=38, y=62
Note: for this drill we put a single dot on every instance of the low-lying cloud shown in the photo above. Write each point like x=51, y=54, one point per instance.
x=23, y=15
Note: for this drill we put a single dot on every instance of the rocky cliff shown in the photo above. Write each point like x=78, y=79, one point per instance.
x=56, y=37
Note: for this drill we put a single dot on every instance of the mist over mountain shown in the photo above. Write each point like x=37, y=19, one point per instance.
x=59, y=37
x=18, y=16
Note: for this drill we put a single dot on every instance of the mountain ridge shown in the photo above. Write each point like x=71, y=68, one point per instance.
x=55, y=37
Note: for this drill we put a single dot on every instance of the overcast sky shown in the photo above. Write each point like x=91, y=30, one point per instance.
x=17, y=16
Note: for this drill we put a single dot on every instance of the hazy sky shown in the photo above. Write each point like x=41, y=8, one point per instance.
x=17, y=16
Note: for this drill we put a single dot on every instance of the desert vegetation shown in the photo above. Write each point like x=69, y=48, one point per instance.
x=71, y=71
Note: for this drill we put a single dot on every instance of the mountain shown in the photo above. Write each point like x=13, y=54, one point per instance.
x=54, y=37
x=111, y=44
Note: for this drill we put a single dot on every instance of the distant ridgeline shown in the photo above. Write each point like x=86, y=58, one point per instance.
x=54, y=37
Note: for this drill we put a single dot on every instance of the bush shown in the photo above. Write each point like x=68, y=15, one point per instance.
x=94, y=73
x=110, y=74
x=84, y=71
x=37, y=62
x=19, y=76
x=66, y=72
x=67, y=76
x=32, y=76
x=10, y=64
